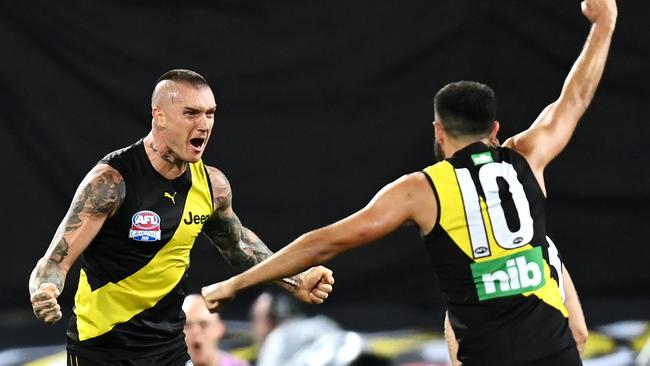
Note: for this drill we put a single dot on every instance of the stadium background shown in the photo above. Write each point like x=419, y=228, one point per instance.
x=320, y=105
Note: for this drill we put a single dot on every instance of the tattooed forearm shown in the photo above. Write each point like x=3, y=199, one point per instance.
x=60, y=251
x=242, y=249
x=252, y=251
x=239, y=245
x=46, y=271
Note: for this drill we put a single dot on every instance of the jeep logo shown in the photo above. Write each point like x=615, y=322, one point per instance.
x=195, y=219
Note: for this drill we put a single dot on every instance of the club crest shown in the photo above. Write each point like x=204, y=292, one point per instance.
x=145, y=226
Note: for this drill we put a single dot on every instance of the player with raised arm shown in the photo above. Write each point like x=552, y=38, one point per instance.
x=482, y=213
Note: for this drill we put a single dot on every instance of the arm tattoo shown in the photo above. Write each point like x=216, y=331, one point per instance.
x=245, y=252
x=241, y=248
x=101, y=196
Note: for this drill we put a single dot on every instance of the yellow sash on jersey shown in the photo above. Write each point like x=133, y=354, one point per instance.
x=100, y=310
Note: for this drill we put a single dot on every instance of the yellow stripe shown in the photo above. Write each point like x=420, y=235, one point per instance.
x=452, y=210
x=100, y=310
x=454, y=222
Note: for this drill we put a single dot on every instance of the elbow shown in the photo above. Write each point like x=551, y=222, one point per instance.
x=580, y=337
x=578, y=99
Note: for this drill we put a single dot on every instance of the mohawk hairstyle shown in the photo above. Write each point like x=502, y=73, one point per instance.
x=183, y=75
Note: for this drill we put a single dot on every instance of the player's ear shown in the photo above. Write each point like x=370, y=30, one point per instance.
x=158, y=116
x=439, y=132
x=494, y=131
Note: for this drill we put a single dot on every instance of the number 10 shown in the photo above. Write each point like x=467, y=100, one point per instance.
x=505, y=238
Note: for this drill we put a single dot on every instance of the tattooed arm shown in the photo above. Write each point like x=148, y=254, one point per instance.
x=243, y=249
x=98, y=197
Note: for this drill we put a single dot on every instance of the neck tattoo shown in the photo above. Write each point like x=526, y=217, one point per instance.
x=164, y=155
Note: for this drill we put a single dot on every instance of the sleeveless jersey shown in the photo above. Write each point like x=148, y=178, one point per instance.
x=133, y=273
x=499, y=273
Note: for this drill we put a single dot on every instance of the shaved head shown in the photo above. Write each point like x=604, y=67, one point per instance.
x=163, y=94
x=165, y=90
x=182, y=111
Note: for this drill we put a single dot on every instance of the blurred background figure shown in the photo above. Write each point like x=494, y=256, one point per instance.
x=285, y=336
x=202, y=334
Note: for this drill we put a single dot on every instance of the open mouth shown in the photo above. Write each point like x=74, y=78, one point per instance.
x=196, y=346
x=197, y=142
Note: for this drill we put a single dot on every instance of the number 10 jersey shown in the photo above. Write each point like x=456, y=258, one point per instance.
x=500, y=275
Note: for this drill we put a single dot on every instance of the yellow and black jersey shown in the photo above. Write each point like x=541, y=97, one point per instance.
x=132, y=278
x=499, y=273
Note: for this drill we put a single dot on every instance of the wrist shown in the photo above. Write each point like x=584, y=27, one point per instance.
x=234, y=283
x=606, y=23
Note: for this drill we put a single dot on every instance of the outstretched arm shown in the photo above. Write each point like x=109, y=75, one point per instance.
x=553, y=128
x=242, y=249
x=98, y=197
x=408, y=198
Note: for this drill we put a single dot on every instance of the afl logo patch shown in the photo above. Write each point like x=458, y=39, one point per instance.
x=145, y=226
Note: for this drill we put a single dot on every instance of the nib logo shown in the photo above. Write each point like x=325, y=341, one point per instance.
x=510, y=275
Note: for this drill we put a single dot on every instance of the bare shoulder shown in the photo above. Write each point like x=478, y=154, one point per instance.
x=221, y=189
x=416, y=183
x=102, y=191
x=424, y=203
x=105, y=172
x=518, y=144
x=409, y=191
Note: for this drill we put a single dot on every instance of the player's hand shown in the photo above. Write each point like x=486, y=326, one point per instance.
x=44, y=303
x=315, y=286
x=600, y=11
x=217, y=295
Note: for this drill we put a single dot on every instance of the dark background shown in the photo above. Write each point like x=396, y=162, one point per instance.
x=321, y=103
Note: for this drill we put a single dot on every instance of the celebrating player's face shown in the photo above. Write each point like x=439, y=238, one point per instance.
x=188, y=120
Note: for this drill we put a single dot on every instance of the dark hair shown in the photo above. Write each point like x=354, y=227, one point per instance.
x=466, y=108
x=182, y=75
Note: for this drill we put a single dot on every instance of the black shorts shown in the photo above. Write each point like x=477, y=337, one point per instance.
x=566, y=357
x=173, y=357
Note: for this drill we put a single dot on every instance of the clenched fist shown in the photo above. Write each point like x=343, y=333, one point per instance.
x=600, y=11
x=44, y=303
x=313, y=286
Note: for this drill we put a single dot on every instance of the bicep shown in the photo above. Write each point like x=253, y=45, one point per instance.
x=548, y=135
x=98, y=197
x=224, y=226
x=388, y=209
